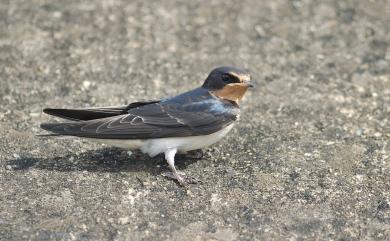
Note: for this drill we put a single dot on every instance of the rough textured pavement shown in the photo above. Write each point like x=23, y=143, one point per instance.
x=309, y=158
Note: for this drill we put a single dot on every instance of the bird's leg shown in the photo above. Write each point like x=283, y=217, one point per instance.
x=170, y=157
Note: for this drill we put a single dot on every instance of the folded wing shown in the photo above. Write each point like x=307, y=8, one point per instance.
x=157, y=120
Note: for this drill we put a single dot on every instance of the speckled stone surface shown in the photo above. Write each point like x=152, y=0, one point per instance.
x=309, y=159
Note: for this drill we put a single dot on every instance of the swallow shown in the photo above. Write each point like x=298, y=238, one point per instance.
x=190, y=121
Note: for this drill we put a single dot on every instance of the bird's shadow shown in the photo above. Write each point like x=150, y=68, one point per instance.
x=101, y=160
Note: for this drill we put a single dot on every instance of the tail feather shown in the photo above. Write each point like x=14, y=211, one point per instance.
x=78, y=116
x=53, y=127
x=85, y=114
x=47, y=135
x=95, y=113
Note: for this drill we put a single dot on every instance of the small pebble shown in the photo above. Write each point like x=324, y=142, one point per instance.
x=359, y=132
x=86, y=84
x=34, y=114
x=123, y=220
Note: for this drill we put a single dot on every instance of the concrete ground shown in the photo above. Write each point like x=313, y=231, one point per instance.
x=309, y=159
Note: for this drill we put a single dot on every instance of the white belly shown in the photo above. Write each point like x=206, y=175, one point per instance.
x=160, y=145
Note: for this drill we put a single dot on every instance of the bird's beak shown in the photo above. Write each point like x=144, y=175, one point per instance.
x=249, y=84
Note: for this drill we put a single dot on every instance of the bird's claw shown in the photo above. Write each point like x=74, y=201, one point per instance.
x=183, y=181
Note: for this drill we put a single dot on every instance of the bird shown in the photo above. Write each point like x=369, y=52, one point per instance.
x=189, y=121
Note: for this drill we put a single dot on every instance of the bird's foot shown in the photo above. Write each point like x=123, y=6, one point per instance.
x=181, y=178
x=196, y=154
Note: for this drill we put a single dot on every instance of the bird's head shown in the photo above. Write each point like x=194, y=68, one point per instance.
x=228, y=83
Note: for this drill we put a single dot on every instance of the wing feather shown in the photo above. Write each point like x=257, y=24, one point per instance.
x=172, y=118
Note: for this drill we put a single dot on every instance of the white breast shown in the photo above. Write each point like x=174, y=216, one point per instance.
x=159, y=145
x=183, y=144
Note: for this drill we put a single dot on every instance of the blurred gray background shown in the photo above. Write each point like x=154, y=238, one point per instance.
x=309, y=158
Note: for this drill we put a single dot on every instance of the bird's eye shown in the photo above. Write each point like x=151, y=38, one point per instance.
x=228, y=79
